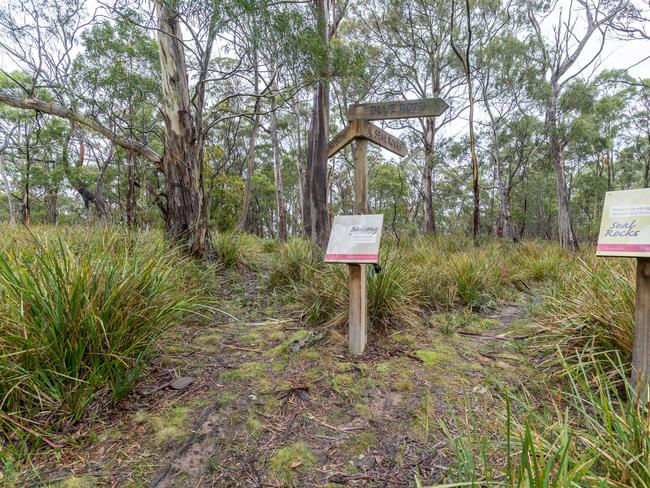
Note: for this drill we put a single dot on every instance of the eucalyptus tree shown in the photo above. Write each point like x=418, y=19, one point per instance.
x=464, y=55
x=506, y=78
x=3, y=173
x=572, y=30
x=327, y=16
x=182, y=30
x=411, y=37
x=116, y=76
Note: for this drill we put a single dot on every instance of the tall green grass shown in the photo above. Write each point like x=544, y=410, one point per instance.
x=393, y=301
x=78, y=318
x=590, y=310
x=293, y=263
x=237, y=250
x=425, y=273
x=597, y=433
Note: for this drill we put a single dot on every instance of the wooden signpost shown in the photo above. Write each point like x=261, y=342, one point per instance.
x=625, y=232
x=361, y=130
x=402, y=109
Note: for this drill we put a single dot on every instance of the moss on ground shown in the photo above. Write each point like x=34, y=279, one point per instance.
x=211, y=338
x=248, y=370
x=171, y=424
x=290, y=461
x=429, y=357
x=283, y=347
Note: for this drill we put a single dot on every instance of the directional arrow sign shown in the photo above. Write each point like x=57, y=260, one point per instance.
x=364, y=129
x=343, y=138
x=384, y=139
x=403, y=109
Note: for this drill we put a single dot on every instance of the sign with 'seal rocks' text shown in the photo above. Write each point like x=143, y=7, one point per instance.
x=625, y=224
x=355, y=239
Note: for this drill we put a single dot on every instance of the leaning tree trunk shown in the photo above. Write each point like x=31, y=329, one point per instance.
x=181, y=159
x=565, y=229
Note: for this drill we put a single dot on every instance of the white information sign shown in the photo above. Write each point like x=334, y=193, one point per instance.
x=355, y=239
x=625, y=224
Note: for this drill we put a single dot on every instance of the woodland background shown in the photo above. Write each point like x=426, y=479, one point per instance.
x=535, y=135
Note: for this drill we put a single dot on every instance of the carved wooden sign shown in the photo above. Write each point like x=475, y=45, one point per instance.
x=402, y=109
x=384, y=139
x=354, y=239
x=364, y=129
x=342, y=139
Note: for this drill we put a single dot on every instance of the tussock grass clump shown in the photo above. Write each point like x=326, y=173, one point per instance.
x=595, y=434
x=293, y=263
x=472, y=277
x=77, y=326
x=237, y=250
x=432, y=273
x=592, y=309
x=539, y=261
x=393, y=300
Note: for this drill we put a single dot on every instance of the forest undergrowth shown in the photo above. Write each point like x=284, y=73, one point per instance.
x=88, y=318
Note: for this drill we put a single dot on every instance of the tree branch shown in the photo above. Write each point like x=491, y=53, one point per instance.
x=75, y=116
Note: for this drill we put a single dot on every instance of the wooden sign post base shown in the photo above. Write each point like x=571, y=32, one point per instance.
x=358, y=328
x=358, y=321
x=641, y=345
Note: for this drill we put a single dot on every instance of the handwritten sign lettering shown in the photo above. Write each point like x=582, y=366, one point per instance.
x=403, y=109
x=625, y=224
x=364, y=129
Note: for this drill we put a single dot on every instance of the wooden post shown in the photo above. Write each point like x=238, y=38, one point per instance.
x=361, y=177
x=357, y=334
x=641, y=345
x=358, y=325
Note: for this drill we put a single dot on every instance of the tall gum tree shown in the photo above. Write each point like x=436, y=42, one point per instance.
x=559, y=56
x=184, y=207
x=412, y=36
x=181, y=160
